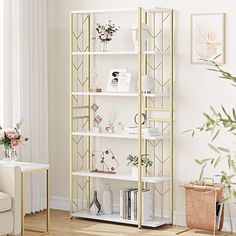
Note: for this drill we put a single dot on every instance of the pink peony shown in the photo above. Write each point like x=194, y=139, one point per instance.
x=16, y=142
x=2, y=134
x=11, y=133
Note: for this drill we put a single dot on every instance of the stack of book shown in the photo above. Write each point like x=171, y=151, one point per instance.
x=148, y=131
x=129, y=204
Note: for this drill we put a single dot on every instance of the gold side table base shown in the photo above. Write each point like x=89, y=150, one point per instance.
x=23, y=229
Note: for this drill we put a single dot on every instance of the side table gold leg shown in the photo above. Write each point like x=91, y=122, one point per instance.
x=48, y=199
x=22, y=204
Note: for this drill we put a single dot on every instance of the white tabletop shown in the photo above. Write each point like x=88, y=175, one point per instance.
x=27, y=166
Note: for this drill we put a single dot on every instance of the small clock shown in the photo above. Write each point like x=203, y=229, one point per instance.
x=143, y=119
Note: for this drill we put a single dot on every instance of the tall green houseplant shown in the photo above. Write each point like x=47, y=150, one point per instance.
x=216, y=122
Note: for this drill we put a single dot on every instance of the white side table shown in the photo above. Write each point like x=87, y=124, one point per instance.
x=27, y=168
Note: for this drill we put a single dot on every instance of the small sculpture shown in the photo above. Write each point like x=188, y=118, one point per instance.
x=94, y=87
x=95, y=206
x=97, y=119
x=111, y=120
x=107, y=160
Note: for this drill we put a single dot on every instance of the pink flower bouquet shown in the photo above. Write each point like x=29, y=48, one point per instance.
x=11, y=138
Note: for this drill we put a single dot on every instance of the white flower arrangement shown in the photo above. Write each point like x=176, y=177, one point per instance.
x=106, y=32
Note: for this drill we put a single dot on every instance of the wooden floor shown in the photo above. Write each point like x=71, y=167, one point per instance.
x=62, y=225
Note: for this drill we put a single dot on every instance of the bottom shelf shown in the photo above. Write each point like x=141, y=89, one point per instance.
x=156, y=222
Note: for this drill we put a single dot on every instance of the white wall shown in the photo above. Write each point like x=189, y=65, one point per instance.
x=195, y=87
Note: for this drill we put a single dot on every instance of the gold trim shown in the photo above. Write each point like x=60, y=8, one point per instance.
x=139, y=116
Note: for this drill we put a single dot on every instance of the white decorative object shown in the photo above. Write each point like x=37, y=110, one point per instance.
x=134, y=171
x=148, y=83
x=113, y=79
x=107, y=201
x=95, y=206
x=97, y=129
x=145, y=34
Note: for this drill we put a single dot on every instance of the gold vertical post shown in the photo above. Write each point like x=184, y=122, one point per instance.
x=88, y=104
x=48, y=200
x=71, y=101
x=139, y=116
x=145, y=98
x=171, y=115
x=22, y=205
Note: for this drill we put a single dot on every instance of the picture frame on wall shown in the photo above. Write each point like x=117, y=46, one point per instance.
x=207, y=38
x=119, y=81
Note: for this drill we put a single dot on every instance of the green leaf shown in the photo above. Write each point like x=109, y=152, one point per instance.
x=198, y=161
x=202, y=172
x=215, y=136
x=213, y=148
x=1, y=142
x=234, y=114
x=19, y=124
x=224, y=200
x=217, y=160
x=224, y=149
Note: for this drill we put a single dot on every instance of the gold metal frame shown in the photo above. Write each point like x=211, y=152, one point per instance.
x=23, y=229
x=223, y=36
x=80, y=81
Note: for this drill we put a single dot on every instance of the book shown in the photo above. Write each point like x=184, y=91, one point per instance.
x=219, y=208
x=121, y=203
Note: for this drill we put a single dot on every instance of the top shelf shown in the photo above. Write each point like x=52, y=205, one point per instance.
x=100, y=11
x=120, y=53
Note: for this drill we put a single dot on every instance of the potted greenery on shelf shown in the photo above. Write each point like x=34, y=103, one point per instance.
x=133, y=161
x=105, y=33
x=217, y=121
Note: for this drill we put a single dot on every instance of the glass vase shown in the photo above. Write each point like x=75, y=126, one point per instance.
x=104, y=46
x=10, y=155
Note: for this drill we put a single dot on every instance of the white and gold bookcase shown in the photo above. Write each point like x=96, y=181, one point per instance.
x=156, y=61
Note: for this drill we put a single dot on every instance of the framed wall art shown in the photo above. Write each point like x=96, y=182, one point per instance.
x=208, y=38
x=119, y=81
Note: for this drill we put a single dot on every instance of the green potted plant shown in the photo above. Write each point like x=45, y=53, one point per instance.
x=216, y=122
x=133, y=161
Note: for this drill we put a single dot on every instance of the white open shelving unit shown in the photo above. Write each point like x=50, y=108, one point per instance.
x=81, y=99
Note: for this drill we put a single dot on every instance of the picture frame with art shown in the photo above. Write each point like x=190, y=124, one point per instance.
x=207, y=38
x=119, y=81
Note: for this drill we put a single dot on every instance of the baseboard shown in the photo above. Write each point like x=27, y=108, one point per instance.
x=61, y=203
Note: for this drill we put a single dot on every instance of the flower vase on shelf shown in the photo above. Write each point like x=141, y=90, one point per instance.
x=107, y=201
x=95, y=206
x=104, y=46
x=10, y=154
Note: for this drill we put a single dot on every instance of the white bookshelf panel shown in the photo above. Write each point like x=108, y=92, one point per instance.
x=157, y=221
x=104, y=94
x=118, y=135
x=121, y=176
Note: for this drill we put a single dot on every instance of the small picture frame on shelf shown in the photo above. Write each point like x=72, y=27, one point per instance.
x=118, y=80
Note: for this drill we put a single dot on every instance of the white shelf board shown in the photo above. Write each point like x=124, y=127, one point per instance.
x=120, y=53
x=122, y=176
x=117, y=219
x=97, y=11
x=118, y=135
x=120, y=94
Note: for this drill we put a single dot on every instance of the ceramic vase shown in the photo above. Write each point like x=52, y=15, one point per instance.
x=145, y=34
x=135, y=171
x=107, y=202
x=148, y=83
x=95, y=206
